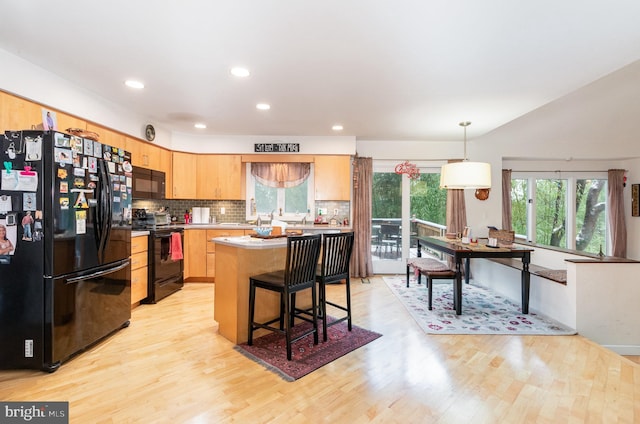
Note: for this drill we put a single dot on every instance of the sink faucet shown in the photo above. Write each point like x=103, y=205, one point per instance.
x=271, y=214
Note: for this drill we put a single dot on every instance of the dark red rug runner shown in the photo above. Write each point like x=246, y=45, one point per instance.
x=270, y=350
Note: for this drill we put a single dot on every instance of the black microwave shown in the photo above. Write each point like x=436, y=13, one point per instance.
x=148, y=184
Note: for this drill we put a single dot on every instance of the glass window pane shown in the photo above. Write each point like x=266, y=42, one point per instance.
x=428, y=202
x=296, y=198
x=519, y=200
x=386, y=214
x=551, y=212
x=591, y=200
x=266, y=198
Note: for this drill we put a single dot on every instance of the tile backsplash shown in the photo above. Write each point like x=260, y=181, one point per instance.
x=235, y=210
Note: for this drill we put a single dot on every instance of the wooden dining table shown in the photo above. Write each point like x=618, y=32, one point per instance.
x=465, y=251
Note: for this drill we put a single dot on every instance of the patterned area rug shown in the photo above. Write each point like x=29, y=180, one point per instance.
x=270, y=350
x=483, y=312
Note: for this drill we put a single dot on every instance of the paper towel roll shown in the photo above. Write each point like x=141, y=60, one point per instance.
x=204, y=215
x=196, y=215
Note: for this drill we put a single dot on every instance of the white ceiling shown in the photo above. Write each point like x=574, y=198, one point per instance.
x=390, y=70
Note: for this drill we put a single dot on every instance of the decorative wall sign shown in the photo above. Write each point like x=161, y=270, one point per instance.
x=276, y=147
x=412, y=171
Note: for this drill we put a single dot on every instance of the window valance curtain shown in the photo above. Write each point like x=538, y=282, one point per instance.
x=280, y=175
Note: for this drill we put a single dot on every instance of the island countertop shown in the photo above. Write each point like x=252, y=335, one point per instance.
x=248, y=242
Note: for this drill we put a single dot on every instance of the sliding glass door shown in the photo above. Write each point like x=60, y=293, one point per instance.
x=398, y=205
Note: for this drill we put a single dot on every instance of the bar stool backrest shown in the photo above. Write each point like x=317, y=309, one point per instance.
x=302, y=258
x=336, y=254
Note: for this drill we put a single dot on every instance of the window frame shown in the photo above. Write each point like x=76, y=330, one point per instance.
x=571, y=178
x=281, y=197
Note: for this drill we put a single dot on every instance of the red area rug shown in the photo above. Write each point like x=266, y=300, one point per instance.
x=271, y=351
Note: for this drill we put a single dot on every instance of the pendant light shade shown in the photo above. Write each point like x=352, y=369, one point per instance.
x=465, y=174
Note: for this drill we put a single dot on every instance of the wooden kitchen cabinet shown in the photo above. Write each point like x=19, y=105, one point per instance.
x=184, y=175
x=211, y=247
x=143, y=154
x=107, y=136
x=139, y=269
x=20, y=114
x=200, y=251
x=219, y=177
x=332, y=177
x=195, y=254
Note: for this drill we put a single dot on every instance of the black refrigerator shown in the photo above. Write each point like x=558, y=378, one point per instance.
x=65, y=242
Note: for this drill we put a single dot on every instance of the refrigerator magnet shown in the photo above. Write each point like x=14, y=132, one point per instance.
x=8, y=235
x=64, y=203
x=81, y=202
x=64, y=187
x=97, y=149
x=29, y=201
x=62, y=173
x=76, y=144
x=79, y=172
x=81, y=222
x=62, y=155
x=62, y=140
x=27, y=226
x=5, y=203
x=10, y=220
x=88, y=148
x=93, y=165
x=33, y=147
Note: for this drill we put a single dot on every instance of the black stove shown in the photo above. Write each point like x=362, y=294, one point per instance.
x=165, y=275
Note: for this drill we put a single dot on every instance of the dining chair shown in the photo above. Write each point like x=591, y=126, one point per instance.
x=333, y=268
x=298, y=274
x=390, y=235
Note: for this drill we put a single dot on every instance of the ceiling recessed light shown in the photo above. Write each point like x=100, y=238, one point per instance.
x=337, y=127
x=200, y=126
x=134, y=84
x=240, y=72
x=263, y=106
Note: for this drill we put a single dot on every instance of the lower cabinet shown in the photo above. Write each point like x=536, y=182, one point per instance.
x=139, y=274
x=200, y=252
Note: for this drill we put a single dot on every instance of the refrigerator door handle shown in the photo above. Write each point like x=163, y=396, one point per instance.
x=104, y=209
x=98, y=274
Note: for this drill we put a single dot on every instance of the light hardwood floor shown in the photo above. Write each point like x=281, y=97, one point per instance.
x=171, y=366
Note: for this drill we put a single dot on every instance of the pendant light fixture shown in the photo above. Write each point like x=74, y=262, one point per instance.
x=465, y=174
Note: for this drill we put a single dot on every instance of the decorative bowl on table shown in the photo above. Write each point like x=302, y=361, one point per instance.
x=451, y=236
x=264, y=231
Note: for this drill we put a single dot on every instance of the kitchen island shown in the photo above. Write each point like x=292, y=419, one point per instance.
x=237, y=258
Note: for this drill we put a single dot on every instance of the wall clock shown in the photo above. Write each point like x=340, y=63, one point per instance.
x=150, y=133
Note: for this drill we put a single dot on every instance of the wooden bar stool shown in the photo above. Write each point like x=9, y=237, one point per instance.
x=336, y=254
x=299, y=274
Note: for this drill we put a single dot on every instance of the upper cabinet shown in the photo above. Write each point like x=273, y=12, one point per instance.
x=20, y=114
x=107, y=136
x=219, y=177
x=148, y=156
x=184, y=173
x=332, y=177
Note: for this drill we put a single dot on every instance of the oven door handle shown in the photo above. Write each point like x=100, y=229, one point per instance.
x=165, y=235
